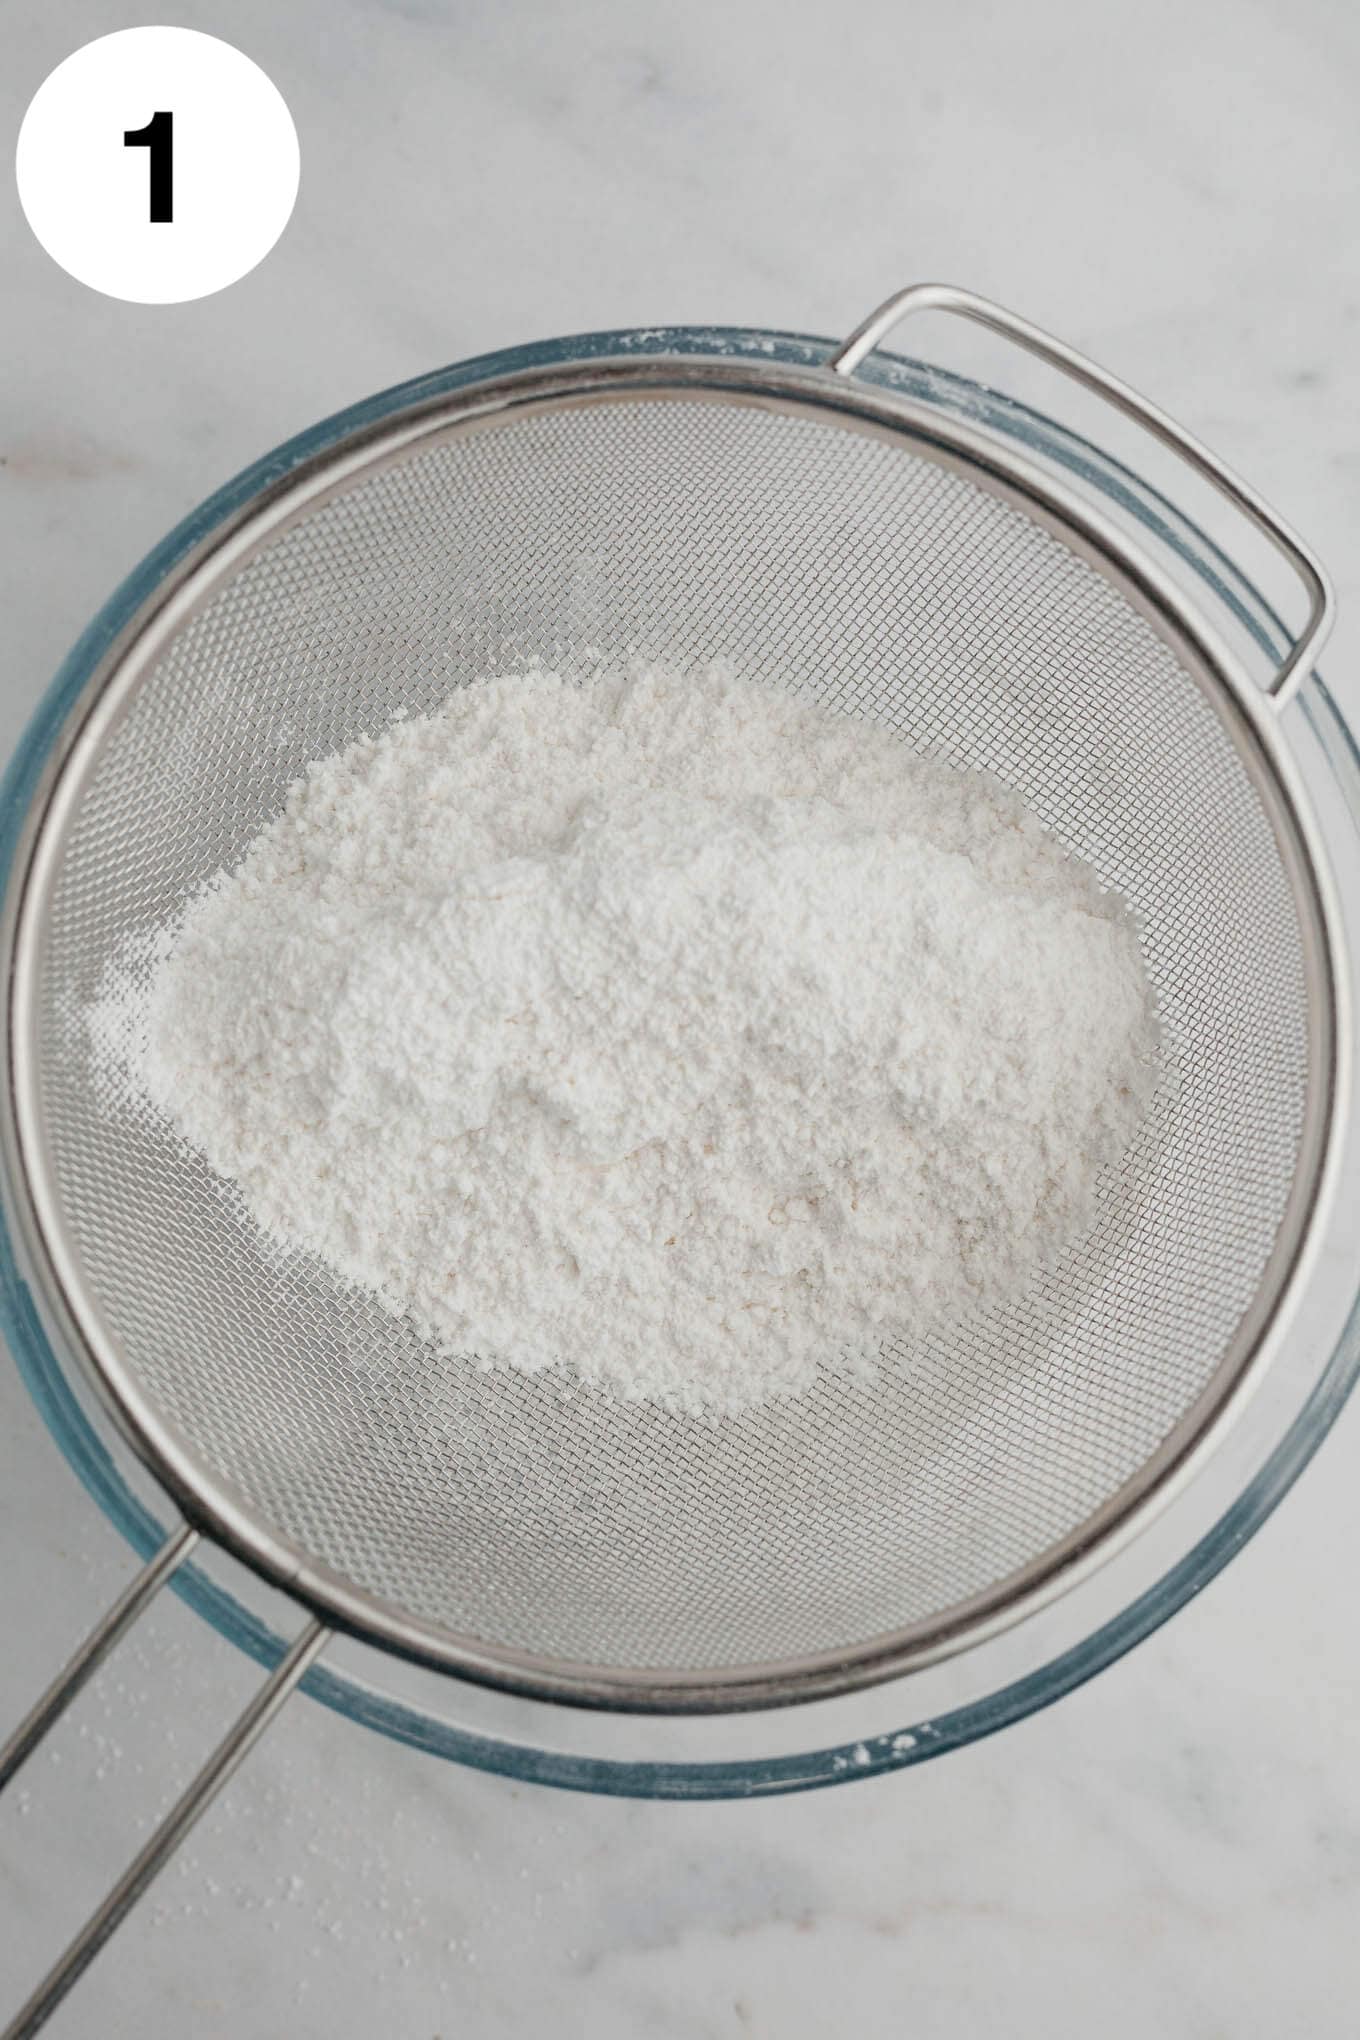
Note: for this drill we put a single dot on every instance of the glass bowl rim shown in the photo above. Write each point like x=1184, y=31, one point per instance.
x=80, y=1439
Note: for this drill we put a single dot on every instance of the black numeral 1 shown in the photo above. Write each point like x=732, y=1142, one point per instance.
x=158, y=137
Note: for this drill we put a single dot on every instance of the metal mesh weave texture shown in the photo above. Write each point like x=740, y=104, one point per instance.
x=886, y=585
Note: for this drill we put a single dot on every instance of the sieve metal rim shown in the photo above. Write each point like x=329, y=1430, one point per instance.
x=914, y=1720
x=298, y=490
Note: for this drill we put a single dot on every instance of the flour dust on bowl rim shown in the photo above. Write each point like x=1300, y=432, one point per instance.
x=615, y=1596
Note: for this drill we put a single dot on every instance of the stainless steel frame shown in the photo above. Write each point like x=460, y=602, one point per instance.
x=209, y=1507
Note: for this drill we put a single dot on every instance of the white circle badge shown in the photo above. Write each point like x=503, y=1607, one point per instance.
x=157, y=164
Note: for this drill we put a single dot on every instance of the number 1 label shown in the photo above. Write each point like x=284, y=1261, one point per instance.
x=158, y=139
x=100, y=190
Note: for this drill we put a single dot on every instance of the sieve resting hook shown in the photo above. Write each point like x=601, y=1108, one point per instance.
x=947, y=297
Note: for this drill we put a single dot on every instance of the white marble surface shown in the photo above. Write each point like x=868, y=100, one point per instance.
x=1175, y=1849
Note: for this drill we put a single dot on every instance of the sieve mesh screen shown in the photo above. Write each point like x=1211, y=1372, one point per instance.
x=527, y=1513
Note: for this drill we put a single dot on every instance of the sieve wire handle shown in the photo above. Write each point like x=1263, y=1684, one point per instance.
x=944, y=297
x=194, y=1800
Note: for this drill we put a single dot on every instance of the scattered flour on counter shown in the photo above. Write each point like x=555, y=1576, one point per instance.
x=672, y=1031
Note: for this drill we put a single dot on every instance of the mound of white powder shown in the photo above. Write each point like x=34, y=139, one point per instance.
x=668, y=1030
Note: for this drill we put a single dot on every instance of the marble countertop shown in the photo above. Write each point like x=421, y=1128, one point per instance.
x=1173, y=1849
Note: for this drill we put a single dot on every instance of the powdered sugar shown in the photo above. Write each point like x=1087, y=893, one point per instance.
x=670, y=1030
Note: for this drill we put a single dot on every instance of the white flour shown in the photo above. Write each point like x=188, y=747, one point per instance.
x=672, y=1031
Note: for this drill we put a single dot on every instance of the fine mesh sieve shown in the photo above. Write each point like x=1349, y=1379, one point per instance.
x=824, y=535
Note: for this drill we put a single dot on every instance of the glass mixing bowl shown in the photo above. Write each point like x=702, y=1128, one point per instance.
x=939, y=1706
